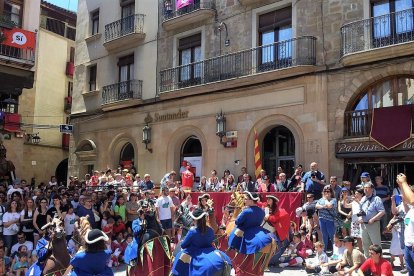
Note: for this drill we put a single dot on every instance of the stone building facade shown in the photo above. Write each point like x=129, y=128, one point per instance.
x=293, y=71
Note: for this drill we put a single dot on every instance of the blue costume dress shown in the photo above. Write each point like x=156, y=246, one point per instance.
x=42, y=253
x=205, y=259
x=252, y=237
x=91, y=263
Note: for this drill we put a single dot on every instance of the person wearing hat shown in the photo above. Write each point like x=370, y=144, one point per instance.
x=197, y=256
x=249, y=237
x=352, y=258
x=365, y=178
x=280, y=220
x=94, y=260
x=372, y=209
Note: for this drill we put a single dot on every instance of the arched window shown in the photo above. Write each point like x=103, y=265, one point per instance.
x=126, y=158
x=395, y=91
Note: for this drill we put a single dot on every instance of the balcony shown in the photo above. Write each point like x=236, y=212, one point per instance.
x=376, y=38
x=298, y=53
x=357, y=123
x=177, y=18
x=122, y=94
x=126, y=32
x=70, y=68
x=17, y=56
x=68, y=105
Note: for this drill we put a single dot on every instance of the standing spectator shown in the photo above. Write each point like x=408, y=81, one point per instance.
x=327, y=207
x=21, y=240
x=57, y=209
x=365, y=178
x=174, y=197
x=86, y=209
x=168, y=180
x=40, y=219
x=356, y=209
x=2, y=211
x=345, y=211
x=69, y=222
x=15, y=188
x=165, y=210
x=11, y=222
x=26, y=219
x=120, y=208
x=241, y=178
x=372, y=210
x=284, y=185
x=384, y=193
x=248, y=184
x=376, y=264
x=313, y=181
x=333, y=181
x=311, y=219
x=132, y=213
x=75, y=201
x=149, y=185
x=53, y=181
x=296, y=178
x=138, y=181
x=408, y=197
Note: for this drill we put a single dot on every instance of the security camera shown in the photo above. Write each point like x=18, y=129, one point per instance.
x=237, y=162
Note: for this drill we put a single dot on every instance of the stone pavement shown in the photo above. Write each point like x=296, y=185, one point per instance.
x=290, y=271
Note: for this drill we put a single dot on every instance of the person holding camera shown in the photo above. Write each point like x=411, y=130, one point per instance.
x=314, y=181
x=370, y=215
x=396, y=227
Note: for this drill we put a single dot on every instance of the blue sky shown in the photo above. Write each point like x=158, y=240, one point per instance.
x=67, y=4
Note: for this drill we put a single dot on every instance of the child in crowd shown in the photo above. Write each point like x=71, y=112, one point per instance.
x=118, y=247
x=295, y=254
x=307, y=242
x=119, y=226
x=317, y=264
x=105, y=216
x=108, y=229
x=69, y=222
x=20, y=267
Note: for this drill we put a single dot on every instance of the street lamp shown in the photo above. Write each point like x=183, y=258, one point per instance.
x=221, y=126
x=146, y=136
x=33, y=138
x=10, y=105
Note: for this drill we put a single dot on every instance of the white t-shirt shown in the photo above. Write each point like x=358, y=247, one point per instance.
x=164, y=203
x=12, y=190
x=11, y=230
x=70, y=220
x=16, y=246
x=409, y=228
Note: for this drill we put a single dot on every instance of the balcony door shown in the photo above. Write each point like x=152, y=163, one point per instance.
x=392, y=22
x=126, y=74
x=127, y=14
x=275, y=39
x=189, y=49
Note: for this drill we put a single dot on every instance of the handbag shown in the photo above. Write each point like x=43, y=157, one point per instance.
x=227, y=267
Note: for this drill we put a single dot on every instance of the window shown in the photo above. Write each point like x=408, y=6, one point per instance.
x=95, y=22
x=72, y=54
x=13, y=11
x=189, y=50
x=92, y=78
x=126, y=74
x=275, y=34
x=392, y=18
x=70, y=89
x=127, y=14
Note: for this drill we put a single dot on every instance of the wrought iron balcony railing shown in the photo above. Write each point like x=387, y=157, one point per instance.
x=377, y=32
x=17, y=55
x=278, y=55
x=358, y=123
x=125, y=90
x=128, y=25
x=170, y=10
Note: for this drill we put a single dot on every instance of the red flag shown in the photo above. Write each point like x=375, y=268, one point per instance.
x=257, y=158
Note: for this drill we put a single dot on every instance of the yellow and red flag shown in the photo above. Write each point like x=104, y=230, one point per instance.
x=257, y=158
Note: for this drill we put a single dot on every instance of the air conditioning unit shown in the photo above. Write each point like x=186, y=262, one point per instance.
x=231, y=134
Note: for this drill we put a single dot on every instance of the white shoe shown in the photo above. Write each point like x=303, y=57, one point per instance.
x=283, y=264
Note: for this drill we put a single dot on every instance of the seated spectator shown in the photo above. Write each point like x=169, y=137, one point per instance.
x=307, y=242
x=119, y=226
x=352, y=258
x=108, y=229
x=295, y=254
x=21, y=266
x=376, y=264
x=4, y=263
x=266, y=186
x=21, y=240
x=317, y=264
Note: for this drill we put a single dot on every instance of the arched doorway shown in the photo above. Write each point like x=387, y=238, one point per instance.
x=191, y=151
x=61, y=172
x=127, y=156
x=278, y=150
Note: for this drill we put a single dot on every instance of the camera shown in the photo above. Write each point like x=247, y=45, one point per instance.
x=361, y=213
x=397, y=220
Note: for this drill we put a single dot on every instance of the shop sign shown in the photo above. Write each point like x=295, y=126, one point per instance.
x=166, y=116
x=371, y=146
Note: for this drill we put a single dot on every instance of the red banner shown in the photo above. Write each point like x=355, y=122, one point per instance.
x=19, y=38
x=287, y=201
x=12, y=122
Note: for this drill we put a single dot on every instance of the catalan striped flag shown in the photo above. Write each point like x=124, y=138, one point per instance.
x=257, y=158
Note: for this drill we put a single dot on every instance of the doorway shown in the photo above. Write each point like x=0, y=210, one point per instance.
x=191, y=151
x=127, y=156
x=61, y=172
x=278, y=151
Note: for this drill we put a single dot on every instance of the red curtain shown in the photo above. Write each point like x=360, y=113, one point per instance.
x=391, y=126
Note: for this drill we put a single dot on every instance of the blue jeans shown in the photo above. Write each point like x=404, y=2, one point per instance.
x=409, y=259
x=281, y=247
x=328, y=231
x=9, y=241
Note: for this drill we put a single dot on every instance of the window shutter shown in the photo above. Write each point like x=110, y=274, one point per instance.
x=275, y=19
x=189, y=42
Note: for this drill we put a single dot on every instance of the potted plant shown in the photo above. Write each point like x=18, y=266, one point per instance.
x=6, y=22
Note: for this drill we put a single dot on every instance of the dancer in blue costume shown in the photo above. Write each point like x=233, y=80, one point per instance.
x=198, y=256
x=43, y=252
x=94, y=260
x=248, y=237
